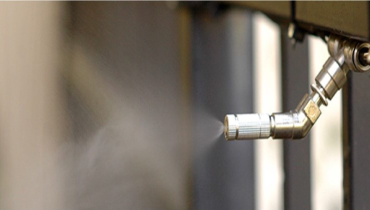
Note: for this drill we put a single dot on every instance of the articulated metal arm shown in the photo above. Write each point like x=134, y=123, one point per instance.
x=345, y=55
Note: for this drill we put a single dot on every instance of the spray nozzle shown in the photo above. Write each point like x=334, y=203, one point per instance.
x=345, y=55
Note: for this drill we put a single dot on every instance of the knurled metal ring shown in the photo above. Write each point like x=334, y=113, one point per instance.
x=237, y=127
x=316, y=89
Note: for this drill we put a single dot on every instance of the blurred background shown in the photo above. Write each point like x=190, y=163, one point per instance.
x=120, y=105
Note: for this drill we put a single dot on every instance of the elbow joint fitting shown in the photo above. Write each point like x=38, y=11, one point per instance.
x=289, y=125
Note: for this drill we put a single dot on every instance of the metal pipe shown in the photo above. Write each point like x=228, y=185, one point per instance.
x=295, y=124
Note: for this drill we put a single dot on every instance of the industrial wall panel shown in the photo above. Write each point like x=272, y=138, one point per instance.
x=343, y=18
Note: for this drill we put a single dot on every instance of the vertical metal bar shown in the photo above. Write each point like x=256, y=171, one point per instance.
x=295, y=70
x=356, y=144
x=184, y=19
x=347, y=160
x=222, y=76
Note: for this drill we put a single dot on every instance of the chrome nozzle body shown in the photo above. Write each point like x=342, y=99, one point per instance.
x=345, y=55
x=289, y=125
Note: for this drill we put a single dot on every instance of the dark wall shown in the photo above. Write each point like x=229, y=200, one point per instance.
x=222, y=76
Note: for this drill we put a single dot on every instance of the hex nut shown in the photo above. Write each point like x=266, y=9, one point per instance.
x=312, y=111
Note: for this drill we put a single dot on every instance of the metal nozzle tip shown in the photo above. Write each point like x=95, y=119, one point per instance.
x=247, y=126
x=230, y=127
